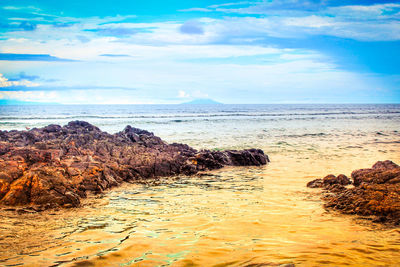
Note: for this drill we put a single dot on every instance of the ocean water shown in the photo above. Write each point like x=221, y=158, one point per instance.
x=214, y=125
x=231, y=217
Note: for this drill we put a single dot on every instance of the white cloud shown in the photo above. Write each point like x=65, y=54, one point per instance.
x=199, y=94
x=294, y=76
x=183, y=94
x=21, y=8
x=160, y=38
x=77, y=97
x=196, y=9
x=4, y=82
x=309, y=21
x=141, y=50
x=289, y=19
x=228, y=58
x=30, y=96
x=360, y=12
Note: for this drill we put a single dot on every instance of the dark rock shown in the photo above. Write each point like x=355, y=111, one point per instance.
x=381, y=172
x=52, y=128
x=387, y=165
x=329, y=181
x=317, y=183
x=341, y=179
x=56, y=166
x=376, y=192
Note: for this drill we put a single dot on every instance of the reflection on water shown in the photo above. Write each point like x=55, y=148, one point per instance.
x=230, y=217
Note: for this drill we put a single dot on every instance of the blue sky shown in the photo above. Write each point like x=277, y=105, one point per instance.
x=137, y=52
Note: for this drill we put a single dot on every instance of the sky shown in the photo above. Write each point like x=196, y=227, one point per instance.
x=167, y=52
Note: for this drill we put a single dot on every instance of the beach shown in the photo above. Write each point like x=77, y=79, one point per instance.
x=235, y=216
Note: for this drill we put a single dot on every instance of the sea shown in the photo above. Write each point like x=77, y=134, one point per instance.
x=235, y=216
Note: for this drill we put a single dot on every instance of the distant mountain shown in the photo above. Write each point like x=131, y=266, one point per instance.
x=202, y=101
x=17, y=102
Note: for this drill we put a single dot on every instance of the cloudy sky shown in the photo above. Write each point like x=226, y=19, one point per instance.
x=162, y=51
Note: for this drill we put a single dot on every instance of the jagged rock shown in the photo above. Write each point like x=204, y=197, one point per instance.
x=329, y=181
x=376, y=192
x=317, y=183
x=380, y=173
x=341, y=179
x=57, y=166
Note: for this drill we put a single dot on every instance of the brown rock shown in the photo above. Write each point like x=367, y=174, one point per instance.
x=376, y=192
x=341, y=179
x=56, y=166
x=329, y=181
x=317, y=183
x=381, y=172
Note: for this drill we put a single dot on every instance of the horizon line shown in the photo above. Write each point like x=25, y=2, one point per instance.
x=214, y=104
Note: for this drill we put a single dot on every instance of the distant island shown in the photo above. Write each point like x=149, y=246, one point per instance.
x=202, y=101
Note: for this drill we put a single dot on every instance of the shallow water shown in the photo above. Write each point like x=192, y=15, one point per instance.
x=229, y=217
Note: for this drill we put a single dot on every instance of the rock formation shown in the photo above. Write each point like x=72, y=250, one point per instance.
x=375, y=191
x=57, y=166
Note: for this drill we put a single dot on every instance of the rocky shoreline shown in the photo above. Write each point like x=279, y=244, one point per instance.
x=374, y=192
x=57, y=166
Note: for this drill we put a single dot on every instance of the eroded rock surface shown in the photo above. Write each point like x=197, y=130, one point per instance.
x=375, y=191
x=329, y=181
x=57, y=166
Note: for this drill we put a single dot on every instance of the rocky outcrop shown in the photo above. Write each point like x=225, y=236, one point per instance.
x=329, y=181
x=375, y=191
x=57, y=166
